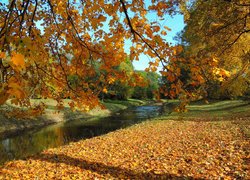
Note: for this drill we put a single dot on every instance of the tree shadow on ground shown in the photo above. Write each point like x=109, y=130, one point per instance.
x=100, y=168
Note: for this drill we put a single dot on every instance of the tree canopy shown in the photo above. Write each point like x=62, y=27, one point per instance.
x=214, y=62
x=216, y=38
x=45, y=42
x=53, y=47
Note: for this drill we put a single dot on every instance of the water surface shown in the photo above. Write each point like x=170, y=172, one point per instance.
x=32, y=142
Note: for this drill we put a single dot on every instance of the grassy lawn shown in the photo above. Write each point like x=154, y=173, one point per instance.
x=235, y=111
x=205, y=143
x=214, y=109
x=120, y=104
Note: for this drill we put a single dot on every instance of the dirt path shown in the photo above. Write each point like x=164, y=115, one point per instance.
x=151, y=150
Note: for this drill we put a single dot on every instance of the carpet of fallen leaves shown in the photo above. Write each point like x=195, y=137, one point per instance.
x=150, y=150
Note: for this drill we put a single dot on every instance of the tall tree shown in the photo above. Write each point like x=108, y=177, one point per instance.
x=216, y=46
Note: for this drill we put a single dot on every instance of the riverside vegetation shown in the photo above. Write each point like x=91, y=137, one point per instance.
x=13, y=125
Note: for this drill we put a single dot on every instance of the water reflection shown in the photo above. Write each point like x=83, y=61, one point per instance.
x=29, y=143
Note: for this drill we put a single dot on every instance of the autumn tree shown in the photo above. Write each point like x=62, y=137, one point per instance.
x=150, y=86
x=122, y=88
x=216, y=49
x=153, y=84
x=45, y=43
x=51, y=47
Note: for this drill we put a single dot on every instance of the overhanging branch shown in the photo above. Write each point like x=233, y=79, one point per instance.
x=134, y=32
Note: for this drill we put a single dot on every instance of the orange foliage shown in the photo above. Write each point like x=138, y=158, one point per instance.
x=152, y=150
x=54, y=40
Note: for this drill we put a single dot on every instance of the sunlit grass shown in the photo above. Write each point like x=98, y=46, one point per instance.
x=219, y=109
x=236, y=111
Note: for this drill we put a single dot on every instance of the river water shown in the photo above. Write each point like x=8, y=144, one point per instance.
x=33, y=142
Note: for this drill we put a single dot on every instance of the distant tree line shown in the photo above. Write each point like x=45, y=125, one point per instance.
x=136, y=84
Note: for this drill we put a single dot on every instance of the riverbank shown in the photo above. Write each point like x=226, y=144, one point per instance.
x=12, y=126
x=206, y=143
x=151, y=150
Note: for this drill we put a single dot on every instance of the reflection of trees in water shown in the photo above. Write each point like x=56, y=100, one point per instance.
x=168, y=108
x=28, y=144
x=5, y=150
x=60, y=134
x=6, y=145
x=147, y=112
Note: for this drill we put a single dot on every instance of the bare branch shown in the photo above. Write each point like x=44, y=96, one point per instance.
x=128, y=19
x=33, y=17
x=7, y=17
x=23, y=15
x=139, y=35
x=236, y=39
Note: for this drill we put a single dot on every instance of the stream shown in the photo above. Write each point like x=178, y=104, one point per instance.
x=32, y=142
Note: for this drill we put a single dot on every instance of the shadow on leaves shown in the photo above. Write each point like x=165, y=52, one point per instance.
x=103, y=169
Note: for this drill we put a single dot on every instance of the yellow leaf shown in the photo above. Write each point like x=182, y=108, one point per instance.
x=15, y=90
x=167, y=28
x=111, y=80
x=156, y=28
x=101, y=18
x=2, y=54
x=18, y=61
x=105, y=90
x=63, y=35
x=86, y=108
x=138, y=46
x=3, y=96
x=163, y=33
x=225, y=73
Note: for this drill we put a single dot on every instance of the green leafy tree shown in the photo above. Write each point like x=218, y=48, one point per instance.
x=123, y=88
x=150, y=86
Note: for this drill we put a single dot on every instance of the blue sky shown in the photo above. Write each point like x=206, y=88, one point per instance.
x=176, y=24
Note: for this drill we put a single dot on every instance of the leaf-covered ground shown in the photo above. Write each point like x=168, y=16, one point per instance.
x=151, y=150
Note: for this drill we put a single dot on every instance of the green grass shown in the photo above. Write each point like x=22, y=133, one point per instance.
x=116, y=105
x=111, y=105
x=236, y=111
x=52, y=112
x=218, y=109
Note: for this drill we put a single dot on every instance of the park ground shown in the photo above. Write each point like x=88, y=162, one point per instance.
x=211, y=141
